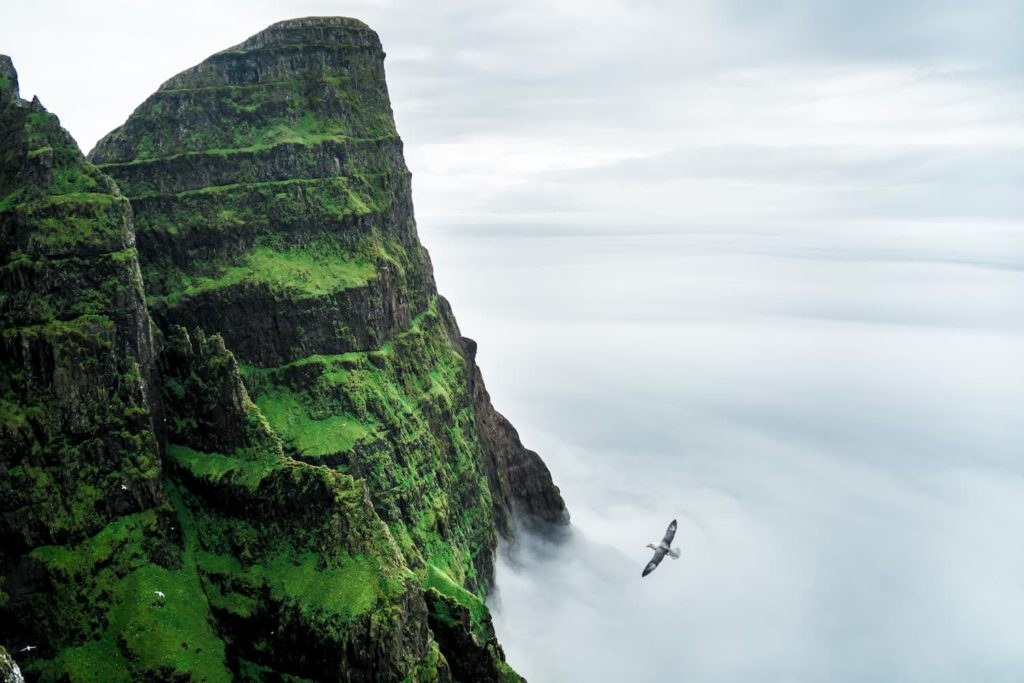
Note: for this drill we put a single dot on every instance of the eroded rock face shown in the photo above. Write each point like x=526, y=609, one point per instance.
x=78, y=448
x=299, y=573
x=9, y=670
x=298, y=471
x=274, y=209
x=76, y=349
x=274, y=203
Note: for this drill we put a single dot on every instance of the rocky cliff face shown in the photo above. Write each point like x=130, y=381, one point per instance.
x=298, y=471
x=9, y=670
x=76, y=349
x=80, y=473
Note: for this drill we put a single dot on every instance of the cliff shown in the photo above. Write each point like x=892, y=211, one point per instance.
x=296, y=470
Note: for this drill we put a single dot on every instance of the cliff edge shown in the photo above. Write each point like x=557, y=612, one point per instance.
x=295, y=469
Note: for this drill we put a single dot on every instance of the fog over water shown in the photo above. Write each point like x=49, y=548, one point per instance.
x=782, y=301
x=838, y=431
x=755, y=266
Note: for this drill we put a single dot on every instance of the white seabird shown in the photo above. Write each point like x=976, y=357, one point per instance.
x=662, y=549
x=160, y=594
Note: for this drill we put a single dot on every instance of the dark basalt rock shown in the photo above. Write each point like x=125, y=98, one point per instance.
x=480, y=658
x=260, y=522
x=76, y=351
x=82, y=496
x=299, y=472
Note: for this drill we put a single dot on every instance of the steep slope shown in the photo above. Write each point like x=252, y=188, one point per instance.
x=325, y=507
x=225, y=559
x=84, y=514
x=76, y=345
x=274, y=208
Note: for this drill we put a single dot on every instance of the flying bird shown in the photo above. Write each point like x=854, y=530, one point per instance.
x=160, y=594
x=662, y=549
x=27, y=648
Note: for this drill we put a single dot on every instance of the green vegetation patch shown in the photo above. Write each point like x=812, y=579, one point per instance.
x=348, y=590
x=252, y=672
x=266, y=205
x=305, y=430
x=427, y=670
x=214, y=467
x=439, y=580
x=297, y=272
x=403, y=419
x=108, y=588
x=259, y=116
x=77, y=222
x=67, y=203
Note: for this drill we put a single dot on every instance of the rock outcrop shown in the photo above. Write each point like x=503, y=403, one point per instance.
x=76, y=350
x=297, y=470
x=274, y=208
x=9, y=670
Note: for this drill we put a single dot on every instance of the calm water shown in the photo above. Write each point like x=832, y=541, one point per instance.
x=834, y=415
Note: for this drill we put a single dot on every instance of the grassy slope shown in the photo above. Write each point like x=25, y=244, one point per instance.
x=396, y=419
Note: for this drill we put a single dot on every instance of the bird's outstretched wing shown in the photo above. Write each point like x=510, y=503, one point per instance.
x=659, y=555
x=670, y=533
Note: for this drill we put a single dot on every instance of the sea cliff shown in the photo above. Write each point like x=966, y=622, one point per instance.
x=243, y=436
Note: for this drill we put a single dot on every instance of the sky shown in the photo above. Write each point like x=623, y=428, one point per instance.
x=755, y=266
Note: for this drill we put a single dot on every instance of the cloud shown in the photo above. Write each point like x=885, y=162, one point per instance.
x=756, y=266
x=847, y=489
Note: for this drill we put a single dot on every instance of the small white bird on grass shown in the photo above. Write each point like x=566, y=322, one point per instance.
x=159, y=594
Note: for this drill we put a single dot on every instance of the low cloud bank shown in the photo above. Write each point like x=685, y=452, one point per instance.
x=836, y=431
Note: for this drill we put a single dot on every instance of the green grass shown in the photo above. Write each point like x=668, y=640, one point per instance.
x=262, y=208
x=443, y=583
x=426, y=670
x=66, y=222
x=15, y=417
x=334, y=367
x=158, y=637
x=296, y=273
x=11, y=199
x=256, y=117
x=411, y=396
x=214, y=467
x=251, y=672
x=139, y=633
x=173, y=631
x=310, y=436
x=347, y=588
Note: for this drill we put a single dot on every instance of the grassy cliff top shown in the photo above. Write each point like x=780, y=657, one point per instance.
x=305, y=80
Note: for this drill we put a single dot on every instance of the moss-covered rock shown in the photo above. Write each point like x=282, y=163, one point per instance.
x=302, y=576
x=274, y=204
x=86, y=532
x=76, y=352
x=301, y=476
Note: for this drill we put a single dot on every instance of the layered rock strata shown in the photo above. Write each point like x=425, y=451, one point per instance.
x=297, y=473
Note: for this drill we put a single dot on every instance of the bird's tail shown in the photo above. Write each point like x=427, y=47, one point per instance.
x=674, y=553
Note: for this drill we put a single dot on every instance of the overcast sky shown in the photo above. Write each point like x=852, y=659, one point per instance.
x=758, y=266
x=599, y=113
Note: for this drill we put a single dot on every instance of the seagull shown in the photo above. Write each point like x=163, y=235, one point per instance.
x=123, y=487
x=28, y=648
x=160, y=594
x=662, y=549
